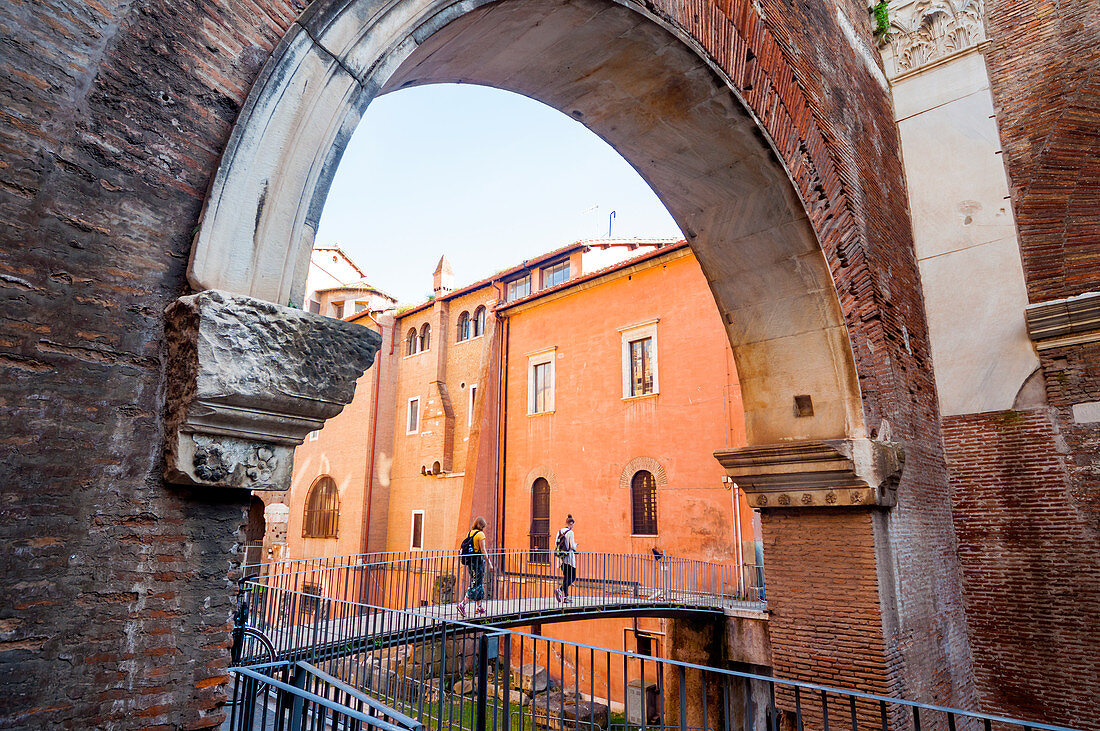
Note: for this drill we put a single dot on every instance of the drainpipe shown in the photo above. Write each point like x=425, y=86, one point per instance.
x=740, y=554
x=502, y=420
x=374, y=429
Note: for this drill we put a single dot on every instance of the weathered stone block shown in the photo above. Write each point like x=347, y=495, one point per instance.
x=532, y=679
x=247, y=380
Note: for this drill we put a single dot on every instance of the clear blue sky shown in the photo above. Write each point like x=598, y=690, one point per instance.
x=487, y=177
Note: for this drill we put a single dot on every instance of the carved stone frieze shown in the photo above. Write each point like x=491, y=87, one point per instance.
x=247, y=380
x=925, y=31
x=834, y=474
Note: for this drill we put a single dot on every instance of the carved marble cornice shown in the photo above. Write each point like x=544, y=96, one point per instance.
x=831, y=474
x=1063, y=322
x=247, y=380
x=923, y=32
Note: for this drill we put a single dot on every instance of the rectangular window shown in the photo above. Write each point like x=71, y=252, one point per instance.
x=417, y=541
x=555, y=274
x=413, y=424
x=337, y=309
x=518, y=288
x=640, y=359
x=540, y=382
x=473, y=401
x=360, y=306
x=314, y=306
x=641, y=368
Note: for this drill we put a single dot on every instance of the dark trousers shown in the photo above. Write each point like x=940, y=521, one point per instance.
x=476, y=567
x=568, y=576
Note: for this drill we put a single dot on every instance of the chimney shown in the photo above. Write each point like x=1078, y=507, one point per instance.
x=443, y=281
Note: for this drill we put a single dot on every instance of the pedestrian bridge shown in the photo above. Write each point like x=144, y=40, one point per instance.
x=375, y=642
x=342, y=604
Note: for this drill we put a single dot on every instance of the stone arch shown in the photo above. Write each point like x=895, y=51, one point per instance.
x=648, y=464
x=749, y=206
x=544, y=472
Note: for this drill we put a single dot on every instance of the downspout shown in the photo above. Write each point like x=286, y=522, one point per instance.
x=374, y=430
x=502, y=422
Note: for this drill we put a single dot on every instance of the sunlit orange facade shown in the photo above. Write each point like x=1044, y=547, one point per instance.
x=582, y=382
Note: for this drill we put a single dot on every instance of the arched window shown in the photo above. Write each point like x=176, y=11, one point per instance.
x=411, y=342
x=479, y=321
x=463, y=327
x=643, y=503
x=540, y=521
x=425, y=337
x=322, y=509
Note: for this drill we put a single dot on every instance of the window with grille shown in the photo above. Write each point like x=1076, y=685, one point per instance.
x=518, y=288
x=479, y=321
x=555, y=274
x=540, y=521
x=641, y=366
x=322, y=509
x=643, y=504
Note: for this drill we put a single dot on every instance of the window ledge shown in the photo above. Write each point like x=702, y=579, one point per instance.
x=541, y=413
x=645, y=535
x=642, y=396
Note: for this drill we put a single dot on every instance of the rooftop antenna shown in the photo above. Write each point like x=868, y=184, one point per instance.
x=609, y=220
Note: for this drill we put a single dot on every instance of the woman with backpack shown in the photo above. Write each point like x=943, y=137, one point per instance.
x=565, y=548
x=474, y=557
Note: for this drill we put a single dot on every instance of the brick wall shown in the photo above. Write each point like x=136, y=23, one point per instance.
x=824, y=602
x=1029, y=553
x=1042, y=62
x=116, y=600
x=114, y=115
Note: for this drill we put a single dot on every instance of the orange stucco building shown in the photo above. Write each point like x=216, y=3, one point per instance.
x=584, y=381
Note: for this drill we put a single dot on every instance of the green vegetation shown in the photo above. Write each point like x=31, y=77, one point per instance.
x=881, y=12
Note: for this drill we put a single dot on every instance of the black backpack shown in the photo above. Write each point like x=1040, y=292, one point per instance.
x=560, y=550
x=466, y=551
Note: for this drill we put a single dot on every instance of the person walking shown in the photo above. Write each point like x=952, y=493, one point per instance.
x=661, y=591
x=474, y=556
x=565, y=548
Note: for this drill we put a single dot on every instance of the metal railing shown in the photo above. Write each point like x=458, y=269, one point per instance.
x=517, y=584
x=451, y=674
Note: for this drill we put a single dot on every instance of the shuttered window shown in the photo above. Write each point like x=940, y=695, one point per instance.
x=322, y=510
x=643, y=503
x=540, y=521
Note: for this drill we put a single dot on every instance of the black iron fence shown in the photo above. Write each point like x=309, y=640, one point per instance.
x=345, y=663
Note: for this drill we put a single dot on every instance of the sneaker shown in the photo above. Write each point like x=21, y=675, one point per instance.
x=461, y=610
x=557, y=593
x=567, y=600
x=480, y=610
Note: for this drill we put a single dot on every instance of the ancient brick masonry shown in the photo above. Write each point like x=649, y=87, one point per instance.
x=116, y=604
x=1028, y=548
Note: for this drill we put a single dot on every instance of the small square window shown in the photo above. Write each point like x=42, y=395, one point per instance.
x=555, y=274
x=412, y=426
x=518, y=288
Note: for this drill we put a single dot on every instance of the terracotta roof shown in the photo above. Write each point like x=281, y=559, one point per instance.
x=361, y=286
x=504, y=274
x=652, y=254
